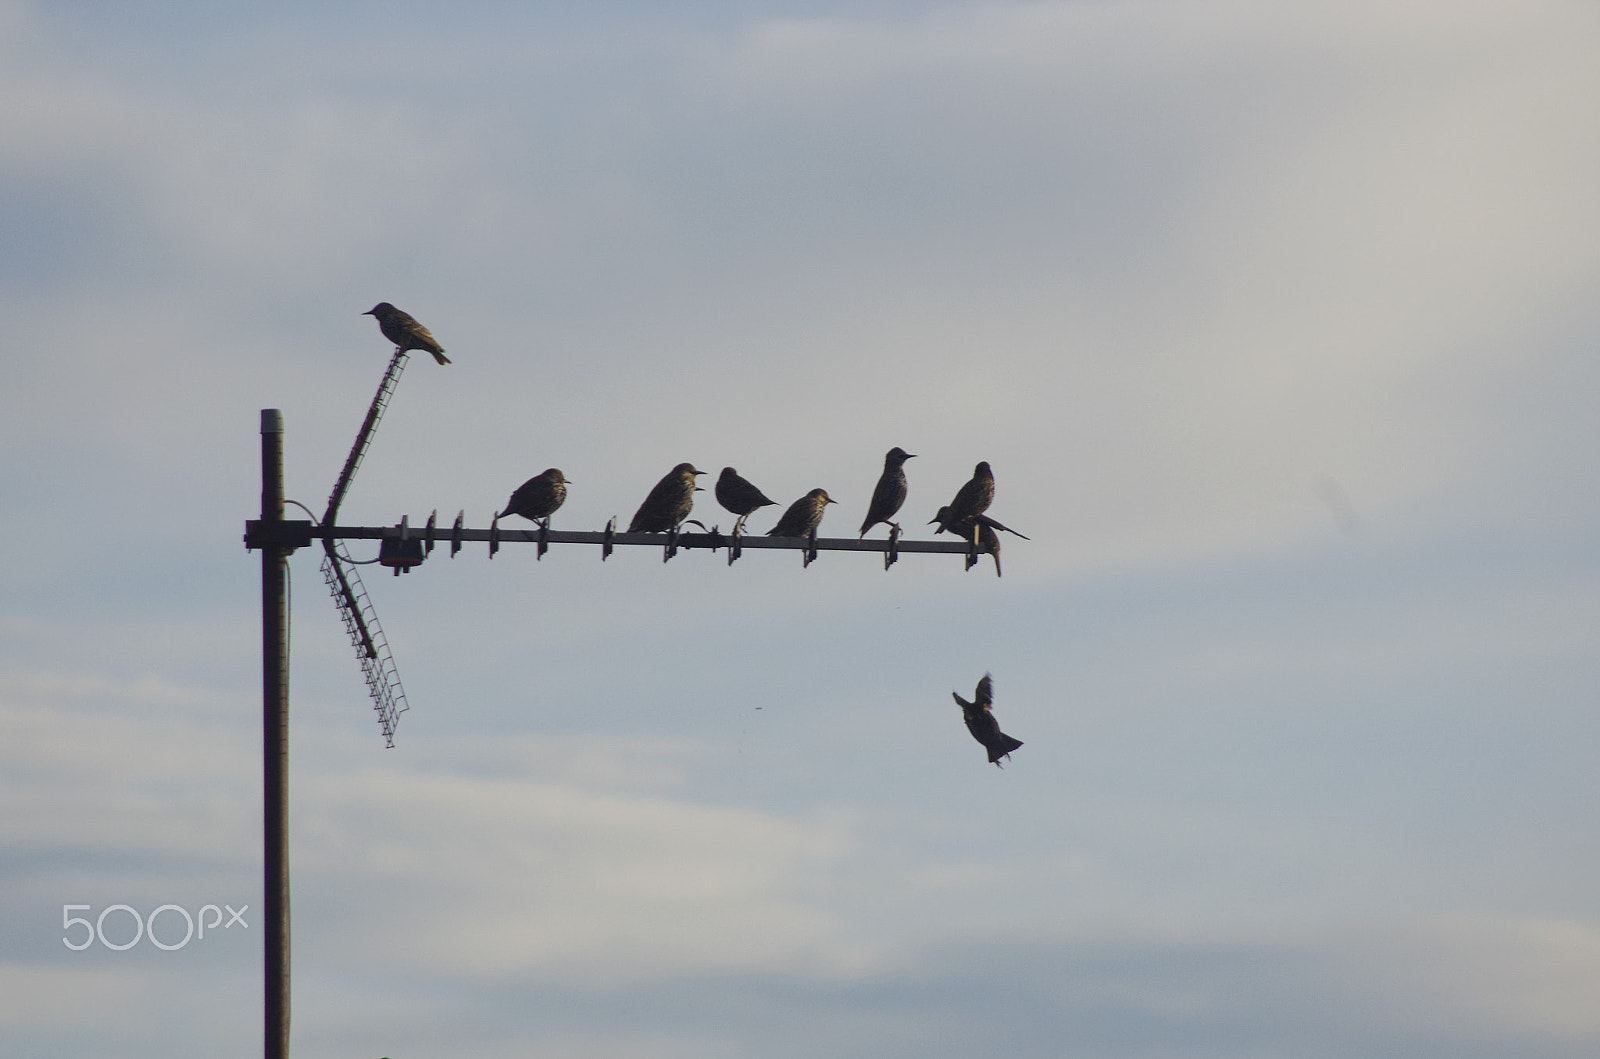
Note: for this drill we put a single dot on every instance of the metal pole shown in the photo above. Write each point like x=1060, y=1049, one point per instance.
x=274, y=742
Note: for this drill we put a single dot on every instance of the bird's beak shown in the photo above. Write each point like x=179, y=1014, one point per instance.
x=367, y=313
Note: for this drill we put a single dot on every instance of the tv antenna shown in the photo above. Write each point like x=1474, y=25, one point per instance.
x=402, y=547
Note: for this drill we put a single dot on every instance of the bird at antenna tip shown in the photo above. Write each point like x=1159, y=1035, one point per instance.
x=402, y=329
x=974, y=497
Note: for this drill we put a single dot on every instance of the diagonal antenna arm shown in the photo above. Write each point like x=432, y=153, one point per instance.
x=380, y=401
x=360, y=619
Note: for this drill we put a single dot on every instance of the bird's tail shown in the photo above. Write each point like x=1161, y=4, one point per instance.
x=1002, y=747
x=440, y=357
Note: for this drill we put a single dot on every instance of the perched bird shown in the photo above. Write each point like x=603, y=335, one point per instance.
x=988, y=539
x=740, y=496
x=975, y=496
x=402, y=329
x=538, y=497
x=803, y=515
x=890, y=492
x=979, y=716
x=668, y=504
x=963, y=527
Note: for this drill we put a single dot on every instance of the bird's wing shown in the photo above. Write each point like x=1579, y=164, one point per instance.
x=985, y=692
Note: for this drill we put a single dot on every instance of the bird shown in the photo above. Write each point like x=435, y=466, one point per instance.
x=668, y=504
x=740, y=496
x=988, y=539
x=803, y=515
x=538, y=497
x=890, y=492
x=402, y=329
x=979, y=715
x=975, y=496
x=963, y=527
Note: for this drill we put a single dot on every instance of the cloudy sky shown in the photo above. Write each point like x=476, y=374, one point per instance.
x=1277, y=322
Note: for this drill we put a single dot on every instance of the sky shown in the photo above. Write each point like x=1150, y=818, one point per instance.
x=1277, y=323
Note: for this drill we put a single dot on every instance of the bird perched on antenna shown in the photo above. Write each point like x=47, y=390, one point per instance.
x=973, y=498
x=538, y=497
x=803, y=515
x=402, y=329
x=979, y=715
x=963, y=527
x=668, y=504
x=980, y=526
x=740, y=496
x=890, y=492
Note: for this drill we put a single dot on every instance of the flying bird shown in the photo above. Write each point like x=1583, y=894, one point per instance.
x=803, y=515
x=740, y=496
x=538, y=497
x=979, y=715
x=890, y=492
x=973, y=498
x=402, y=329
x=668, y=504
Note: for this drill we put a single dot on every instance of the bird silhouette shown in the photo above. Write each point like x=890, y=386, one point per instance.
x=979, y=715
x=975, y=496
x=740, y=496
x=402, y=329
x=890, y=491
x=988, y=539
x=668, y=504
x=963, y=527
x=538, y=497
x=803, y=515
